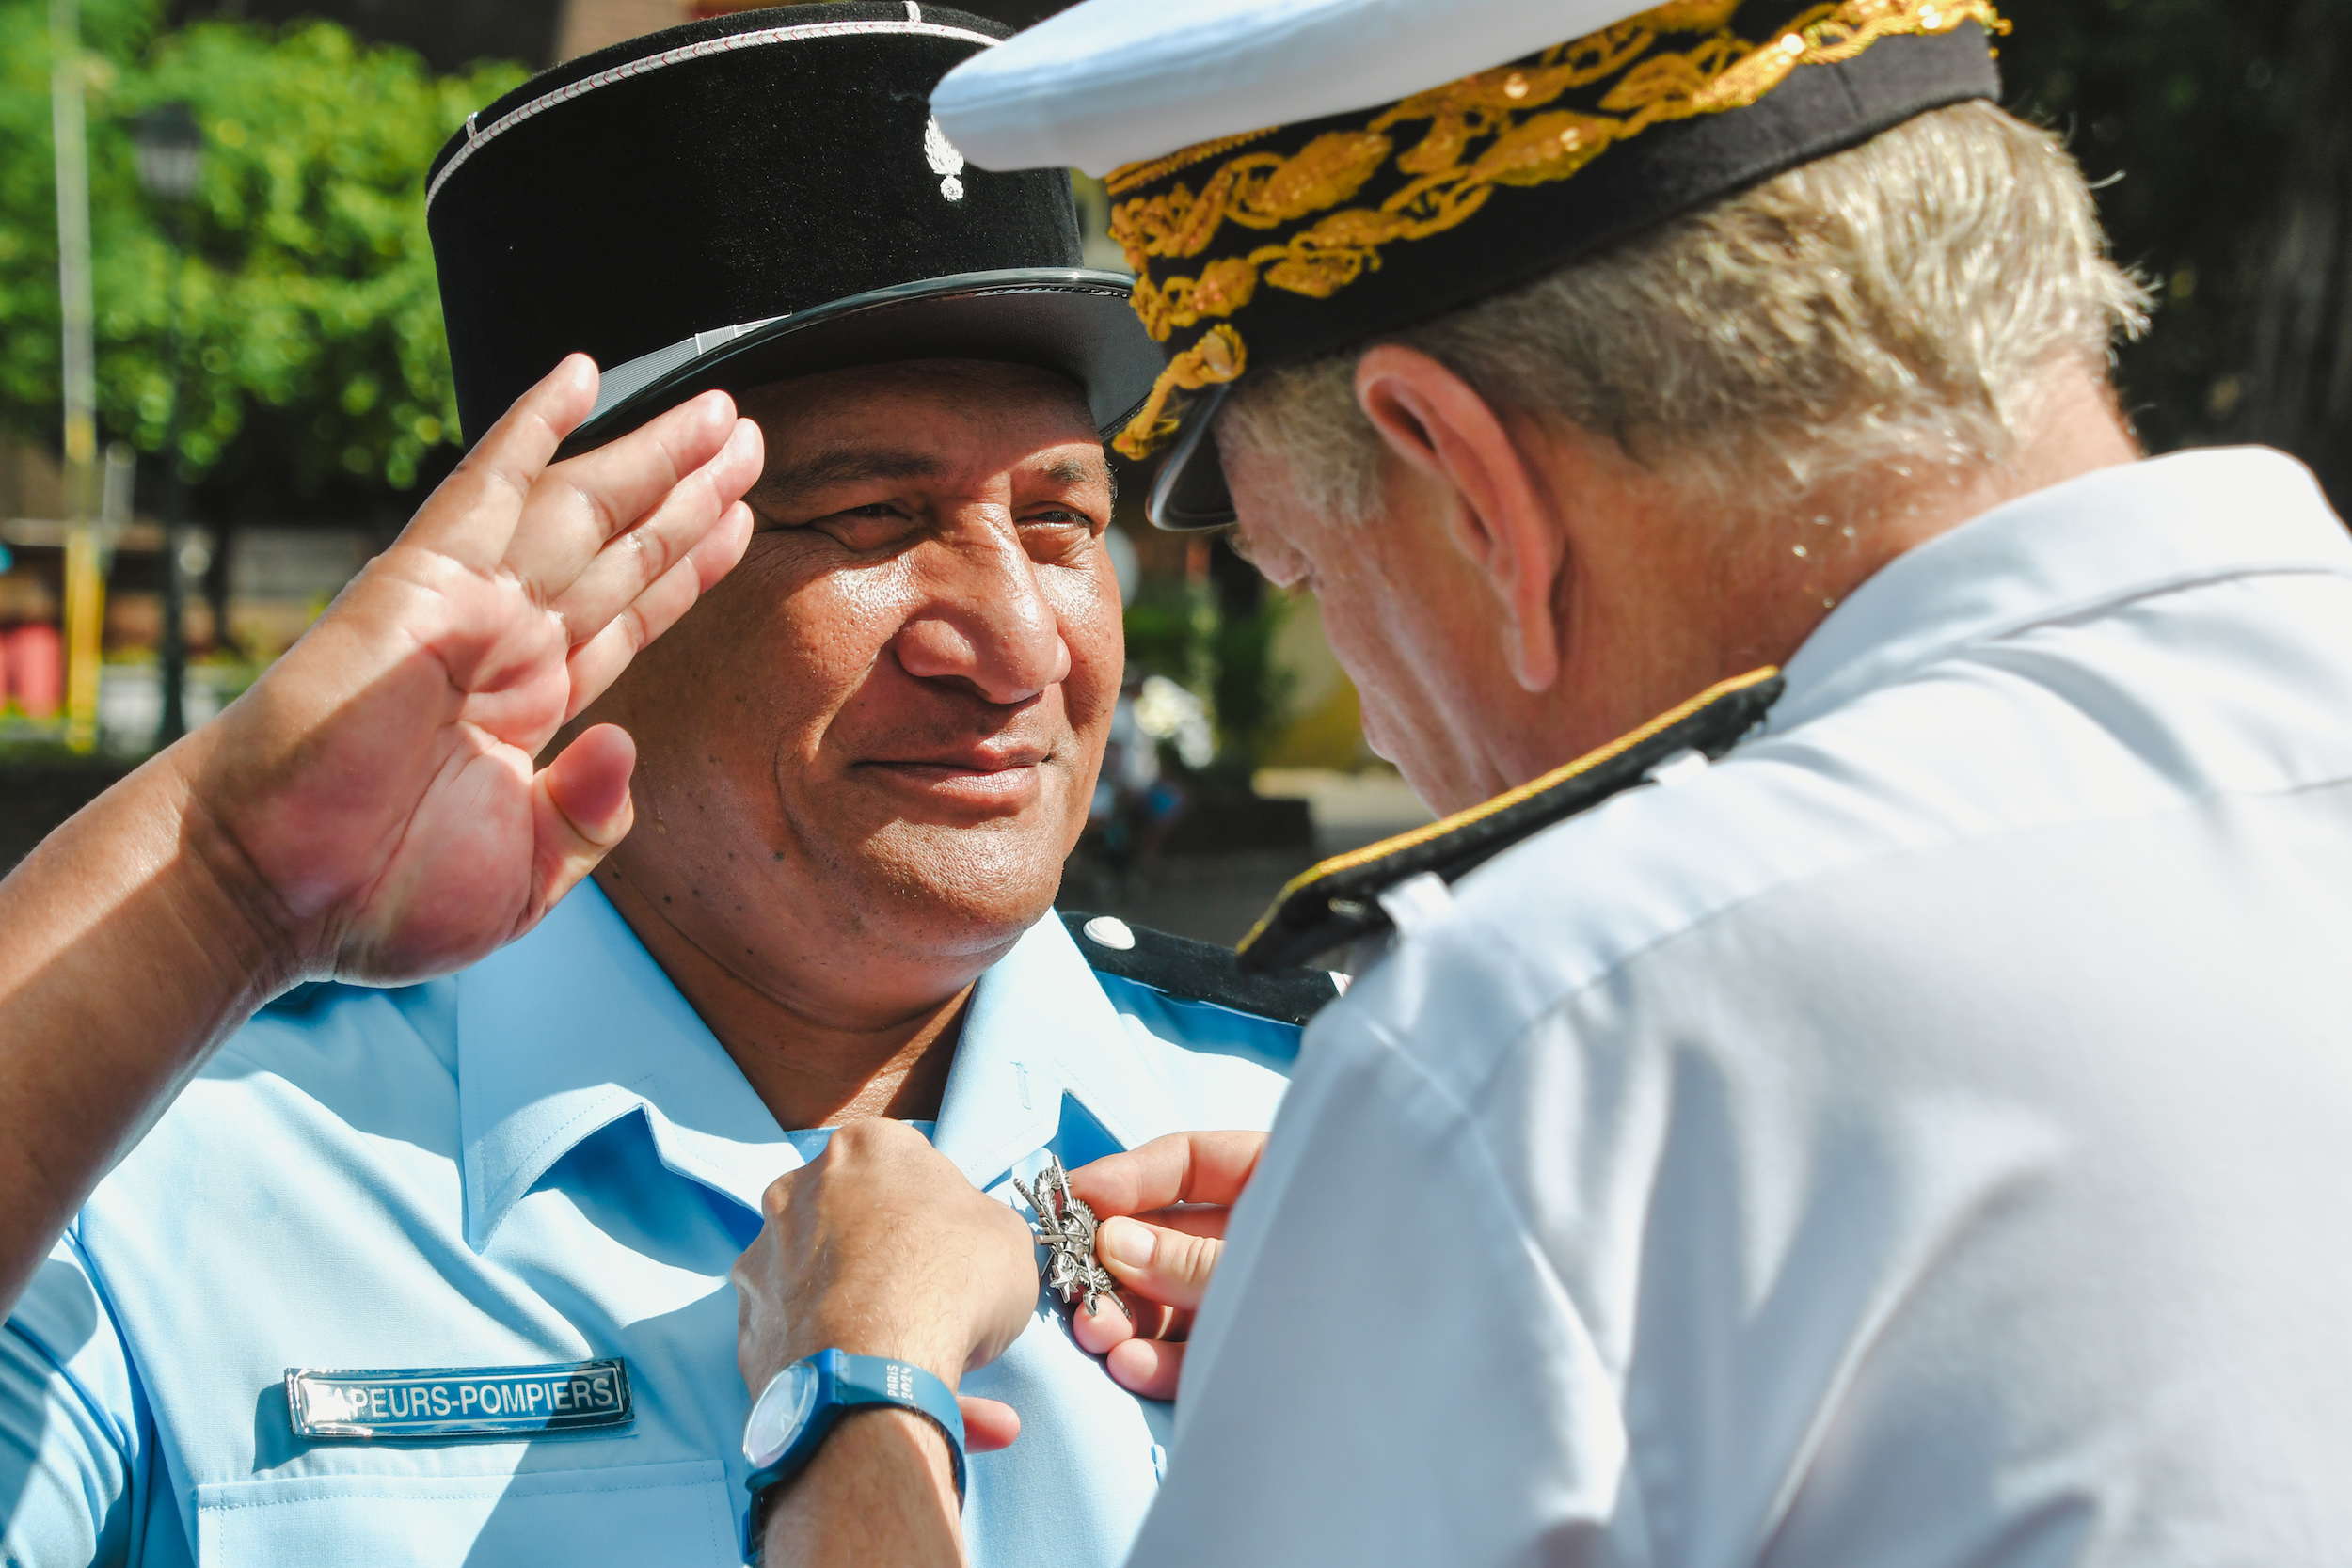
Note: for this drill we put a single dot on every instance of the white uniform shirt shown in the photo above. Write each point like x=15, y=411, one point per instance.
x=1923, y=1138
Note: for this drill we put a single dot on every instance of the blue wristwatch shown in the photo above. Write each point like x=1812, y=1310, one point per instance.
x=791, y=1418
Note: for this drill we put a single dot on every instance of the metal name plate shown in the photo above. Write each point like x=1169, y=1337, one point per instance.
x=457, y=1401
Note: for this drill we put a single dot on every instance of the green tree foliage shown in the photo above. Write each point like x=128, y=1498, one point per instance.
x=311, y=347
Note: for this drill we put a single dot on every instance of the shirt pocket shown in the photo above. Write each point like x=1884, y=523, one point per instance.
x=633, y=1514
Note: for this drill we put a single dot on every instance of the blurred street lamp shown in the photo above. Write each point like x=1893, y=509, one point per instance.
x=170, y=148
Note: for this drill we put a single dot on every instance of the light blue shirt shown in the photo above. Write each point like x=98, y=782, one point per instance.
x=548, y=1158
x=1922, y=1139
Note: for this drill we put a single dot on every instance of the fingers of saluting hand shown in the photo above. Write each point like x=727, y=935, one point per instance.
x=619, y=541
x=472, y=517
x=576, y=507
x=625, y=516
x=595, y=664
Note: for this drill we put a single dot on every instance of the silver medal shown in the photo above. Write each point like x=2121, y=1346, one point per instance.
x=1066, y=1227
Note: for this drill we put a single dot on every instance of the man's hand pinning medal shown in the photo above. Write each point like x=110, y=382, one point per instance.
x=1066, y=1227
x=1163, y=1208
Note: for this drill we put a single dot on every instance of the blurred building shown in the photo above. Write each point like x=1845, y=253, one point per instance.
x=266, y=584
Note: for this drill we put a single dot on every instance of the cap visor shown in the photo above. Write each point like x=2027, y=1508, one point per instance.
x=1190, y=495
x=1075, y=321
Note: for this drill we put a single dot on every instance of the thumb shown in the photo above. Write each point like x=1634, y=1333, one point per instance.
x=988, y=1424
x=580, y=809
x=1165, y=1267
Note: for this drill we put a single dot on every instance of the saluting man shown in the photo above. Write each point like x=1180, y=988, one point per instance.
x=435, y=1270
x=1860, y=1080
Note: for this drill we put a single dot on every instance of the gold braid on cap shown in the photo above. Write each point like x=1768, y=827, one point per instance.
x=1483, y=131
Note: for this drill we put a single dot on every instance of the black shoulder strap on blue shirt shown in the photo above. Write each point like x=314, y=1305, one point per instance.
x=1203, y=972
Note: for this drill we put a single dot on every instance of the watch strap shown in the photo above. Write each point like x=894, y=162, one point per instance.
x=847, y=1383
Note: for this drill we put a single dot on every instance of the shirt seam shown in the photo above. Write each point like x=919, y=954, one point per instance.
x=1175, y=1000
x=117, y=1437
x=100, y=1415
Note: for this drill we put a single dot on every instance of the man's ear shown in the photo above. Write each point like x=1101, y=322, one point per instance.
x=1437, y=424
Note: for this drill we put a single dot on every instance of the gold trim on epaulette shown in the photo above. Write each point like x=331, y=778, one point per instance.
x=1484, y=132
x=1504, y=802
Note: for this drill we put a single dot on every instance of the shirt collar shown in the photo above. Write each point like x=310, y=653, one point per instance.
x=2110, y=536
x=575, y=1026
x=572, y=1028
x=1040, y=1027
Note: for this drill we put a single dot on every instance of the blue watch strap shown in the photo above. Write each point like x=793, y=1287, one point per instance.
x=870, y=1380
x=847, y=1383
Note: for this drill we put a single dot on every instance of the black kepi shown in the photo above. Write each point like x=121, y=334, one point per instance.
x=753, y=197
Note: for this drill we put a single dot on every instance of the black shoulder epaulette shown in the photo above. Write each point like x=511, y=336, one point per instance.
x=1339, y=901
x=1200, y=970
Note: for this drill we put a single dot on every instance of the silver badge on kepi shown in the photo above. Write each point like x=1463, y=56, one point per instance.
x=446, y=1402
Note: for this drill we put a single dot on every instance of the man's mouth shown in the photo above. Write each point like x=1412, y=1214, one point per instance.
x=987, y=773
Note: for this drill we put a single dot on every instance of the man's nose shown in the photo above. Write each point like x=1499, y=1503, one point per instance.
x=989, y=624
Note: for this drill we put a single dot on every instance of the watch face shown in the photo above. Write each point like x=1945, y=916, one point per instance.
x=780, y=1414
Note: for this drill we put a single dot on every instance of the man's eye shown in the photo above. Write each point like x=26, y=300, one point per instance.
x=868, y=527
x=1061, y=518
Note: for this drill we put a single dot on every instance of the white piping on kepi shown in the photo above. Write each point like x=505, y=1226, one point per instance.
x=505, y=122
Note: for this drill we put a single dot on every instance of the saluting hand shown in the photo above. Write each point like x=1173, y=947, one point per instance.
x=378, y=785
x=373, y=807
x=1164, y=1206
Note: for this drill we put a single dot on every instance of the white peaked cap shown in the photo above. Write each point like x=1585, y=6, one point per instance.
x=1115, y=82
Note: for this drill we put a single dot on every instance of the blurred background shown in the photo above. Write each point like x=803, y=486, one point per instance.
x=223, y=384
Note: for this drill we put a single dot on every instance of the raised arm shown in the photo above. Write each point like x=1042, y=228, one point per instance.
x=372, y=808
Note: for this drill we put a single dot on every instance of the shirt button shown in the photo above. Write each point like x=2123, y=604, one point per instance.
x=1108, y=930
